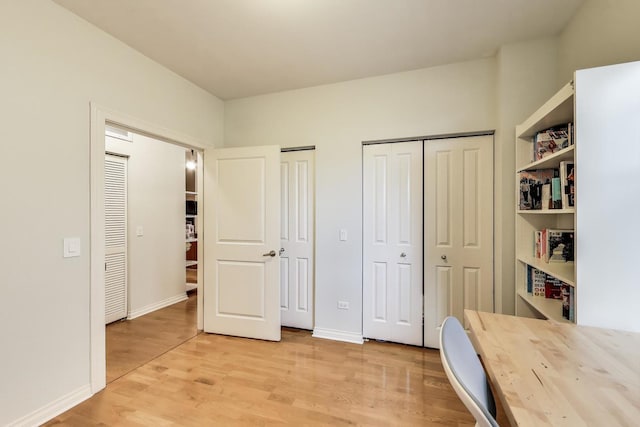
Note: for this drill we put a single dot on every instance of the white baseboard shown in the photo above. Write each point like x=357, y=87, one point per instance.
x=333, y=334
x=53, y=409
x=157, y=306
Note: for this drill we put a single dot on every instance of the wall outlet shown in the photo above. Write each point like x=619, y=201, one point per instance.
x=343, y=305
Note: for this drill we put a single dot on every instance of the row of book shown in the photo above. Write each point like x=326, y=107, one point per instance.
x=541, y=284
x=547, y=188
x=552, y=140
x=552, y=245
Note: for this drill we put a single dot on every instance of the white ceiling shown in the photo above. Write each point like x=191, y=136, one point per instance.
x=238, y=48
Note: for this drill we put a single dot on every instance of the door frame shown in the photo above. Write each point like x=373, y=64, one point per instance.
x=101, y=115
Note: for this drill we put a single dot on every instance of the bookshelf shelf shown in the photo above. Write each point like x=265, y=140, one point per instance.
x=558, y=110
x=547, y=307
x=569, y=211
x=563, y=271
x=551, y=161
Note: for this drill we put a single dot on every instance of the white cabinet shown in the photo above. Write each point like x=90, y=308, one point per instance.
x=606, y=101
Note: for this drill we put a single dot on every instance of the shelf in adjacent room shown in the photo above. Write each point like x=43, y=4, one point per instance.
x=191, y=193
x=191, y=240
x=548, y=307
x=191, y=263
x=191, y=286
x=191, y=216
x=564, y=271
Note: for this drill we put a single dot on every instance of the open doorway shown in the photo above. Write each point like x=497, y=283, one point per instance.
x=150, y=248
x=101, y=118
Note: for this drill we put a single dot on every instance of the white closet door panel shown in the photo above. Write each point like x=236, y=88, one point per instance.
x=392, y=225
x=284, y=283
x=443, y=211
x=458, y=229
x=298, y=240
x=284, y=201
x=379, y=195
x=302, y=284
x=115, y=183
x=443, y=297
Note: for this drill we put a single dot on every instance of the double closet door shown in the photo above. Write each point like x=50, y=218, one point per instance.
x=428, y=236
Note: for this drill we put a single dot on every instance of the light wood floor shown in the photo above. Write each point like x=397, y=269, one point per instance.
x=220, y=380
x=133, y=343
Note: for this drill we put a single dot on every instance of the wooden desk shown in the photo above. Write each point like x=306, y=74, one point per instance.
x=547, y=373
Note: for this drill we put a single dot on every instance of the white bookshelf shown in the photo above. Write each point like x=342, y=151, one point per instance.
x=556, y=111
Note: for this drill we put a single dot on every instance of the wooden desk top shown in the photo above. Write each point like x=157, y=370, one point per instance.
x=547, y=373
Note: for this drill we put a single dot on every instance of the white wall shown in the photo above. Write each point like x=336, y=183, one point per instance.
x=53, y=65
x=602, y=32
x=336, y=119
x=522, y=89
x=156, y=202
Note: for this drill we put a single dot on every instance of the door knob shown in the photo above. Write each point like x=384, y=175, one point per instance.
x=271, y=253
x=443, y=257
x=403, y=255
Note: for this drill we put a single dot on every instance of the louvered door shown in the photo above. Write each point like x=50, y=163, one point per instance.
x=115, y=206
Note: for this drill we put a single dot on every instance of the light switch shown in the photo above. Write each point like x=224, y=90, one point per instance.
x=71, y=247
x=343, y=234
x=139, y=231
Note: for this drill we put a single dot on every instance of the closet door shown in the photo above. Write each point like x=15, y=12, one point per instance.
x=392, y=242
x=297, y=238
x=458, y=223
x=115, y=206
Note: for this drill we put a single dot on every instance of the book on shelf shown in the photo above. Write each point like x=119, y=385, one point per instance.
x=567, y=184
x=556, y=193
x=552, y=287
x=549, y=141
x=533, y=193
x=537, y=250
x=567, y=302
x=538, y=280
x=572, y=304
x=559, y=246
x=545, y=197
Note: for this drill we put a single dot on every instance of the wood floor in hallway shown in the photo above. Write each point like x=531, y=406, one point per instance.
x=132, y=343
x=221, y=380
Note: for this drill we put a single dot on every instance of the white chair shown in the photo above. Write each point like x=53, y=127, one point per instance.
x=465, y=372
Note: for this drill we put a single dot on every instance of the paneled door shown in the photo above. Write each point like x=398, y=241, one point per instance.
x=458, y=229
x=392, y=242
x=115, y=222
x=241, y=242
x=297, y=201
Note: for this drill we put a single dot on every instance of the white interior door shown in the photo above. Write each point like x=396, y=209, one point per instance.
x=297, y=238
x=241, y=241
x=115, y=218
x=458, y=229
x=392, y=221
